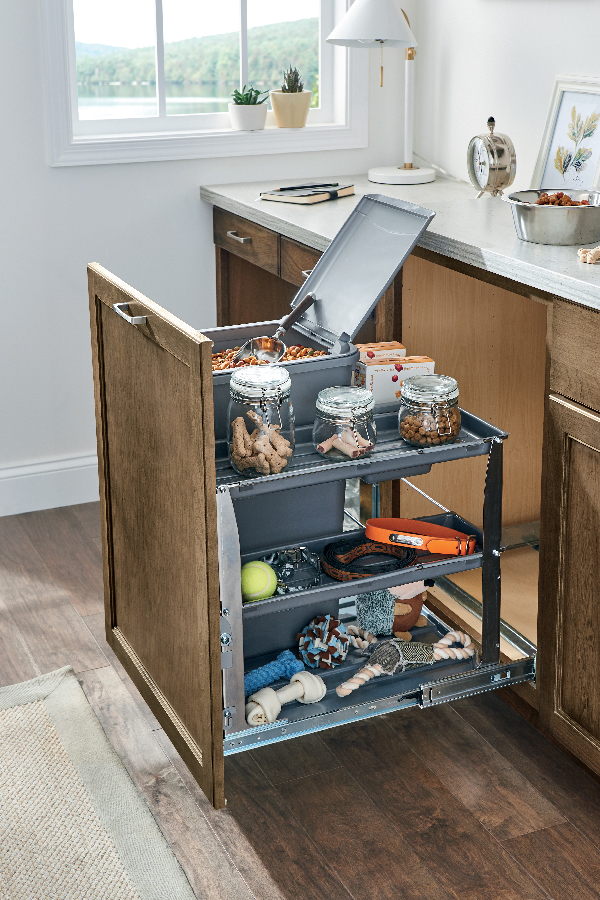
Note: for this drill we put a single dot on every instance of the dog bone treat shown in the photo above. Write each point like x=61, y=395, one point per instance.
x=265, y=705
x=265, y=449
x=589, y=256
x=224, y=359
x=558, y=199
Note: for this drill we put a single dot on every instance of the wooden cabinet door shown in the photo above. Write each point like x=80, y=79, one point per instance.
x=154, y=417
x=569, y=616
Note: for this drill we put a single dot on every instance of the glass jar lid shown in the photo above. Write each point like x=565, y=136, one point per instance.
x=345, y=403
x=430, y=389
x=260, y=382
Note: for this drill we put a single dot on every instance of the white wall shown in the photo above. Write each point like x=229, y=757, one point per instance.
x=481, y=58
x=142, y=221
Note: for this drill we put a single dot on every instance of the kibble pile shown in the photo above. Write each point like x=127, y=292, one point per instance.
x=224, y=359
x=559, y=199
x=426, y=429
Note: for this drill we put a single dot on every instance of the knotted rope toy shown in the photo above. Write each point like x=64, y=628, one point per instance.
x=284, y=666
x=394, y=656
x=325, y=641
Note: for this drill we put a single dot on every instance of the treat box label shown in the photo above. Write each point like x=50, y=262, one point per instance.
x=382, y=349
x=384, y=376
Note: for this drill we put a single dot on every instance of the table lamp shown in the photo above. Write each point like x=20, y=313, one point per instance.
x=366, y=24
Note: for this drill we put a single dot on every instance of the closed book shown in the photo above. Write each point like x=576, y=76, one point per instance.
x=308, y=195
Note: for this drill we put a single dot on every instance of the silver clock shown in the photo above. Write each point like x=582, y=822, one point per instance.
x=491, y=161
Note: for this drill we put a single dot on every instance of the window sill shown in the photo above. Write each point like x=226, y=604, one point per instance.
x=152, y=147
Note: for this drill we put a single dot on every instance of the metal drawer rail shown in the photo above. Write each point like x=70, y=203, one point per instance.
x=454, y=687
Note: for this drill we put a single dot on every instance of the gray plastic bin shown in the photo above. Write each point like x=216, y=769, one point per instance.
x=349, y=280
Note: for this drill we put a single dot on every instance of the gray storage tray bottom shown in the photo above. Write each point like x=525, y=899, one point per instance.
x=428, y=566
x=392, y=458
x=378, y=688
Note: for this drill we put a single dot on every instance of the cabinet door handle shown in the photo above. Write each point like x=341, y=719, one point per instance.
x=235, y=237
x=122, y=309
x=306, y=272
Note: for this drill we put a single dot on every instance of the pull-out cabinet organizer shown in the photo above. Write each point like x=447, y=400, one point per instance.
x=177, y=523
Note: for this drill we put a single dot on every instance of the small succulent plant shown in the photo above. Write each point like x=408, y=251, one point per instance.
x=292, y=81
x=248, y=96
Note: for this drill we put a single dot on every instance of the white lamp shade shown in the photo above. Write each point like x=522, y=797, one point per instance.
x=368, y=22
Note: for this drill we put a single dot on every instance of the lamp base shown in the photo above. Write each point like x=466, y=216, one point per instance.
x=399, y=175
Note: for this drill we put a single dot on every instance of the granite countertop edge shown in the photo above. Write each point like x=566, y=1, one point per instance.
x=522, y=272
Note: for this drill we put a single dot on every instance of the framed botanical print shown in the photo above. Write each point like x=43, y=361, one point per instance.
x=569, y=156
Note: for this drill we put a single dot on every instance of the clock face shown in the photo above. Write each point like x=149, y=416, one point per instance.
x=480, y=162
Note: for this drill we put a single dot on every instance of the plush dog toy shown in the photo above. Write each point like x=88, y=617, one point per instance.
x=394, y=611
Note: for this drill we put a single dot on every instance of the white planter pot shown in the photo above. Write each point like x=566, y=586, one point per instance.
x=291, y=110
x=247, y=118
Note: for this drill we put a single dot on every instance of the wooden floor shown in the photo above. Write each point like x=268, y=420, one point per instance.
x=462, y=801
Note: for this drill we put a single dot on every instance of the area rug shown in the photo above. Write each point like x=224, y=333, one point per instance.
x=72, y=824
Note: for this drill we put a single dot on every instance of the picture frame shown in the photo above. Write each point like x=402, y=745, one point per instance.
x=569, y=156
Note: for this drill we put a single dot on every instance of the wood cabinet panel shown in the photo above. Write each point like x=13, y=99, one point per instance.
x=296, y=259
x=575, y=364
x=154, y=414
x=493, y=342
x=261, y=246
x=569, y=620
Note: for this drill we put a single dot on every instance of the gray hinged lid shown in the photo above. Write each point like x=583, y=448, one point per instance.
x=359, y=265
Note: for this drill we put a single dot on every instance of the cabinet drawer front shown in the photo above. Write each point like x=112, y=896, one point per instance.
x=575, y=369
x=296, y=259
x=246, y=239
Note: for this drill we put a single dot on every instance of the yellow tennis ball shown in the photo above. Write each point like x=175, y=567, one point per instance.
x=258, y=581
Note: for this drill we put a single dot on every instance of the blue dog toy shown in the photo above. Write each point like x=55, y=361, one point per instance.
x=284, y=666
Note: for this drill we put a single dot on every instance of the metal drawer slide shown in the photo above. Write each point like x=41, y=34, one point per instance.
x=433, y=693
x=486, y=678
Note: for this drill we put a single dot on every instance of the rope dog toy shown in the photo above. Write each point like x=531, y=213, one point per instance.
x=284, y=666
x=395, y=655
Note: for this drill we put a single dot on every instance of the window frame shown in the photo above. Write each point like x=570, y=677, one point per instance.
x=178, y=136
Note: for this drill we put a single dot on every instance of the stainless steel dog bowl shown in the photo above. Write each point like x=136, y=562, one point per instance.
x=564, y=225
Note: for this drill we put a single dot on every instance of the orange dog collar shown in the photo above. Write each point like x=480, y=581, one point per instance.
x=420, y=536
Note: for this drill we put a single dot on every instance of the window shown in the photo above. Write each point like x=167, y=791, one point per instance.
x=132, y=80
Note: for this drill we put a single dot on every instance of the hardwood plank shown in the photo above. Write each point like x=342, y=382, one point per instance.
x=16, y=662
x=363, y=847
x=96, y=625
x=241, y=847
x=456, y=848
x=39, y=608
x=273, y=852
x=562, y=861
x=500, y=798
x=200, y=853
x=299, y=758
x=88, y=516
x=555, y=776
x=70, y=554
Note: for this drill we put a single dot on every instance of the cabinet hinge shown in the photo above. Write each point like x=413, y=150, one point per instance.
x=227, y=716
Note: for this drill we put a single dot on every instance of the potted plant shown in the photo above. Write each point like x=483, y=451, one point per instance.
x=248, y=112
x=292, y=102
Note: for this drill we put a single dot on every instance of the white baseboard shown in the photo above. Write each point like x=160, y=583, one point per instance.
x=46, y=485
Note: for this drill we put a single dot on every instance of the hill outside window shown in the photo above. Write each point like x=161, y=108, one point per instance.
x=136, y=80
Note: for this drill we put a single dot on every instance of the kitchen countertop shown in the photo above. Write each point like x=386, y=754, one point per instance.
x=478, y=232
